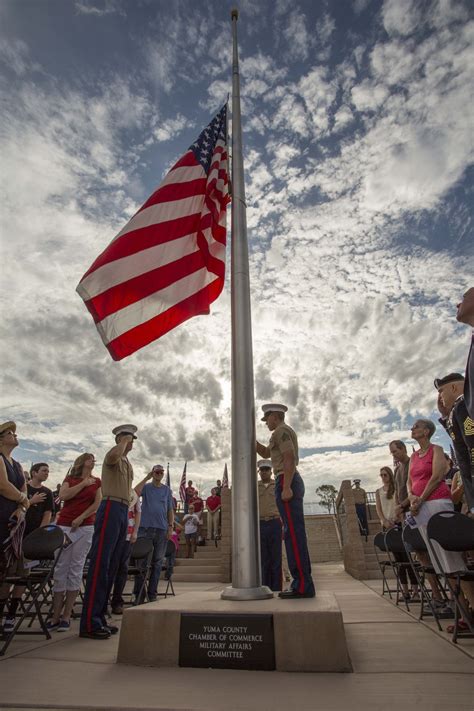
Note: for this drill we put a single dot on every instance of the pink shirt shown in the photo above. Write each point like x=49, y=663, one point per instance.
x=421, y=469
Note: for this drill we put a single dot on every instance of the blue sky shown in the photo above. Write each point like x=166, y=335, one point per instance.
x=358, y=143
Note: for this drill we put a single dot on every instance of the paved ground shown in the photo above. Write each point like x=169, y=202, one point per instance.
x=399, y=663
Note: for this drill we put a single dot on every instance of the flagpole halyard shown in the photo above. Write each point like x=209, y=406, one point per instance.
x=246, y=570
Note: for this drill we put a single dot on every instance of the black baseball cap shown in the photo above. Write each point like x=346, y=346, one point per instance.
x=451, y=378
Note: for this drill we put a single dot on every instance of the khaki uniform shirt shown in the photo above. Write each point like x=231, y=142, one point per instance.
x=400, y=477
x=117, y=479
x=359, y=495
x=283, y=439
x=266, y=500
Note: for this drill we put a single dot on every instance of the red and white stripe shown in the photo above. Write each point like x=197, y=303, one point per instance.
x=168, y=263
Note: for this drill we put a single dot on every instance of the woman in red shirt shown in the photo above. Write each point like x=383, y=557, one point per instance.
x=81, y=494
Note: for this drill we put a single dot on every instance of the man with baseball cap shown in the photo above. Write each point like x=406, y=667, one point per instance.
x=289, y=493
x=270, y=527
x=109, y=532
x=460, y=427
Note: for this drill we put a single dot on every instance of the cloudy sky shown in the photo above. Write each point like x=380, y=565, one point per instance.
x=358, y=143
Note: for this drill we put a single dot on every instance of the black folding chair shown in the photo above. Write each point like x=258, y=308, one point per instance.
x=382, y=562
x=140, y=564
x=394, y=547
x=170, y=549
x=43, y=544
x=414, y=542
x=454, y=531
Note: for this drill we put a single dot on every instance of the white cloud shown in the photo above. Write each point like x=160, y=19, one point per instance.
x=368, y=96
x=401, y=16
x=15, y=54
x=98, y=8
x=297, y=36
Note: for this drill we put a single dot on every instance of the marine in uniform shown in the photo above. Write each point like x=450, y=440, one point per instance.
x=270, y=528
x=289, y=493
x=460, y=427
x=360, y=500
x=110, y=531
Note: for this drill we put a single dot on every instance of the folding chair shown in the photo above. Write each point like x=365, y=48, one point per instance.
x=394, y=546
x=170, y=549
x=413, y=542
x=454, y=531
x=42, y=544
x=140, y=564
x=383, y=563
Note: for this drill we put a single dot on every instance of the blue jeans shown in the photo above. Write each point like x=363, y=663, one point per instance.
x=160, y=539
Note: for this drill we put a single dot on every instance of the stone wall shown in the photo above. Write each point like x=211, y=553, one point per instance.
x=353, y=543
x=323, y=537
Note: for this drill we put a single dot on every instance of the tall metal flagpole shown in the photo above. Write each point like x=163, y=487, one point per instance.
x=246, y=571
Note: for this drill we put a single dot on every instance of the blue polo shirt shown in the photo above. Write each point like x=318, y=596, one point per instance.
x=156, y=502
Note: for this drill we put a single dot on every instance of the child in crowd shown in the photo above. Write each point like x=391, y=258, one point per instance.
x=191, y=525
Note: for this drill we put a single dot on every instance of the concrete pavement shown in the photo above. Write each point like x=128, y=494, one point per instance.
x=398, y=663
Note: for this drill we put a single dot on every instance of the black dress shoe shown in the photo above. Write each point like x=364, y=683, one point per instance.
x=100, y=633
x=294, y=594
x=113, y=629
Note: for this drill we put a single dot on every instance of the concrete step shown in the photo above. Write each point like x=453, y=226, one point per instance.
x=186, y=577
x=198, y=562
x=197, y=570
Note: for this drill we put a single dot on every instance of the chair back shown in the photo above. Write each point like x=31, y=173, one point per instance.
x=141, y=548
x=393, y=541
x=43, y=542
x=413, y=539
x=379, y=541
x=452, y=530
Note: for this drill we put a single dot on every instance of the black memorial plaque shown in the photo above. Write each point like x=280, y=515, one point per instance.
x=227, y=641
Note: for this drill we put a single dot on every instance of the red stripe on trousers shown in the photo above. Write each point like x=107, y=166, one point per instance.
x=295, y=546
x=97, y=567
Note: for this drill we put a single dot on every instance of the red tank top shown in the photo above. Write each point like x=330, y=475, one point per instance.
x=421, y=470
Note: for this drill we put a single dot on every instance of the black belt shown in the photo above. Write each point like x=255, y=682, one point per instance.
x=117, y=498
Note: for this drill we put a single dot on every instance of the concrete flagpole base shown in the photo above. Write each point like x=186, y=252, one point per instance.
x=200, y=629
x=261, y=593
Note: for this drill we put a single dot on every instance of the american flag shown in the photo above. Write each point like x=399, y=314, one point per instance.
x=225, y=478
x=168, y=476
x=167, y=264
x=182, y=486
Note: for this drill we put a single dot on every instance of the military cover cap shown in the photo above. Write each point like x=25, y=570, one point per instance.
x=264, y=464
x=125, y=429
x=451, y=378
x=7, y=426
x=272, y=407
x=356, y=481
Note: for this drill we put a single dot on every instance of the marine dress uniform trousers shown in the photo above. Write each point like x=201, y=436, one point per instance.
x=294, y=533
x=270, y=552
x=110, y=531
